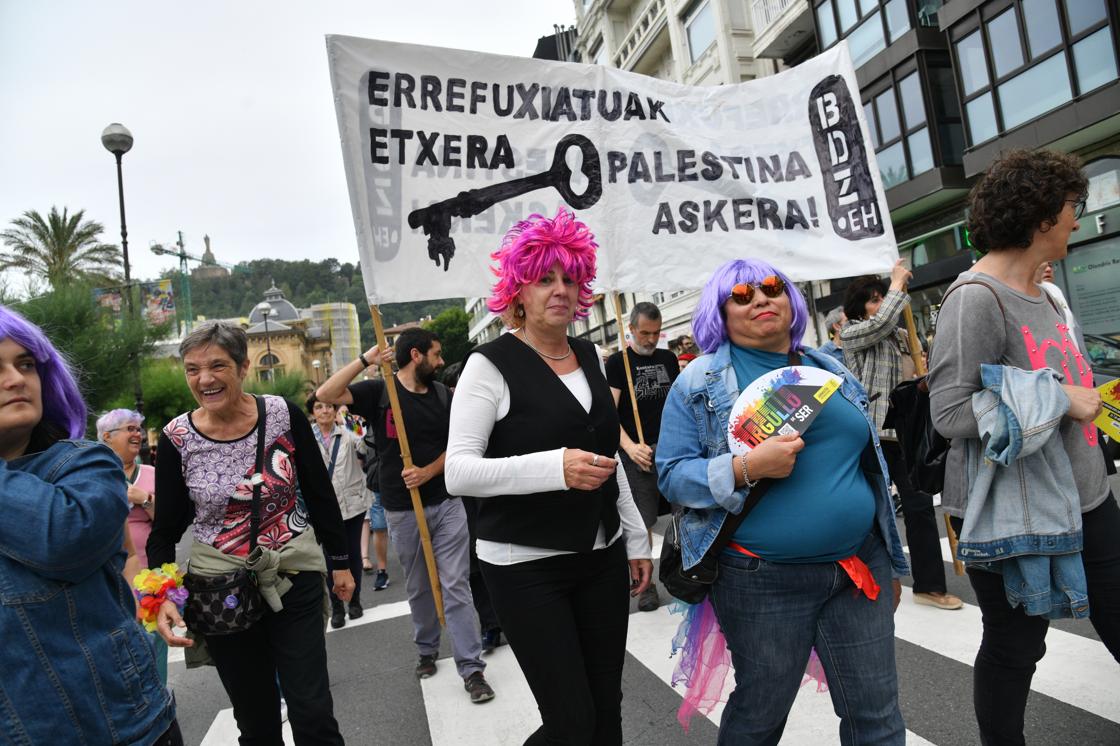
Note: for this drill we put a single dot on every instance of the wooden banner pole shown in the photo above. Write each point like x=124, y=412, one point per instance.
x=406, y=457
x=920, y=367
x=626, y=367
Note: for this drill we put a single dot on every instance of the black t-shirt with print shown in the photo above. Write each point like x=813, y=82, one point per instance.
x=426, y=420
x=653, y=376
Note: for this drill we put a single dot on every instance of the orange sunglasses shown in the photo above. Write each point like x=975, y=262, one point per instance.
x=743, y=292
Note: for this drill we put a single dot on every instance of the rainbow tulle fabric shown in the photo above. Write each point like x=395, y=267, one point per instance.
x=705, y=662
x=153, y=587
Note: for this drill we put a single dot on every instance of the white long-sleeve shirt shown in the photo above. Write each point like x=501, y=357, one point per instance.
x=482, y=399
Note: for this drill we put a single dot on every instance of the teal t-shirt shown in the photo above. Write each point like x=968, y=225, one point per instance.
x=824, y=509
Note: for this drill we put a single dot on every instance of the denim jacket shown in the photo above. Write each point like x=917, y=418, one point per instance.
x=77, y=667
x=1023, y=508
x=694, y=461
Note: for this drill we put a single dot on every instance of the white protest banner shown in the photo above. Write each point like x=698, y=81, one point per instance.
x=446, y=149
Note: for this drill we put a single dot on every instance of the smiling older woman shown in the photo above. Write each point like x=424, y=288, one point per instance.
x=787, y=580
x=206, y=470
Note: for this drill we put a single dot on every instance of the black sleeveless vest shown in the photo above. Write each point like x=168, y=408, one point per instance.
x=544, y=415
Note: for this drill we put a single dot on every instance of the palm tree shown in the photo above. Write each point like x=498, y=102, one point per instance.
x=61, y=249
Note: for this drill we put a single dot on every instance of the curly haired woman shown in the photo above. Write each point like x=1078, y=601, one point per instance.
x=1022, y=212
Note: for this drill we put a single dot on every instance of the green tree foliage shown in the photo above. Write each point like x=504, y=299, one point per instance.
x=100, y=348
x=166, y=394
x=291, y=386
x=62, y=248
x=452, y=326
x=304, y=283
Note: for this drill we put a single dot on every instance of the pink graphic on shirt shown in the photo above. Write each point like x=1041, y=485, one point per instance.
x=1068, y=350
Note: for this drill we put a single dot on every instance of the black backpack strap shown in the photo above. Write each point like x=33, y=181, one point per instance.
x=258, y=476
x=334, y=456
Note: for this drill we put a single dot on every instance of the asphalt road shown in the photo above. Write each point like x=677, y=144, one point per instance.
x=1075, y=697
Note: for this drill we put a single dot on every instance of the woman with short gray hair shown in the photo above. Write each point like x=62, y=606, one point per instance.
x=209, y=474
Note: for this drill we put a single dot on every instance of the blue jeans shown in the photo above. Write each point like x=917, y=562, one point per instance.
x=772, y=614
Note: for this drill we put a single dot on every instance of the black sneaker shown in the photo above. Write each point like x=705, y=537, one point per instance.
x=381, y=582
x=426, y=667
x=491, y=639
x=338, y=616
x=476, y=686
x=355, y=610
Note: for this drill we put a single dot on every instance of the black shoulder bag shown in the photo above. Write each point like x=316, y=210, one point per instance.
x=692, y=585
x=228, y=603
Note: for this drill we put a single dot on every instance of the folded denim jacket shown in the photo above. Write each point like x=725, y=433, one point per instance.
x=1023, y=515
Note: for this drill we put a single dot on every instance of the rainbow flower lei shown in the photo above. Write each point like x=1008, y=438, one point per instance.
x=153, y=587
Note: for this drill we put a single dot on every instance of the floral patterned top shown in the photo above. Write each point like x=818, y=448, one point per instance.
x=207, y=482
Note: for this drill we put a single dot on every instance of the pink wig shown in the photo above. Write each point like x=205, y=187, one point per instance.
x=530, y=249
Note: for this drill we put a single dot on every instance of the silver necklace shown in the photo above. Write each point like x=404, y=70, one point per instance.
x=525, y=334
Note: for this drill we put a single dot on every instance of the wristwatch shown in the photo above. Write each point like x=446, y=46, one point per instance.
x=362, y=359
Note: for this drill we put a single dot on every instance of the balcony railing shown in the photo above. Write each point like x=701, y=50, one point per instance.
x=648, y=24
x=765, y=12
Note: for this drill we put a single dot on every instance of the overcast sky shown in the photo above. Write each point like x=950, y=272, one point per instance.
x=229, y=104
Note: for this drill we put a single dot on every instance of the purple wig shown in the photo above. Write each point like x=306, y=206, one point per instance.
x=530, y=249
x=63, y=406
x=708, y=323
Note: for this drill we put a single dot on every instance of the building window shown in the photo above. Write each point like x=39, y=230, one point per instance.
x=868, y=25
x=1035, y=91
x=927, y=12
x=970, y=61
x=898, y=22
x=1043, y=30
x=1024, y=62
x=910, y=134
x=599, y=56
x=826, y=22
x=1084, y=14
x=701, y=31
x=1003, y=39
x=1094, y=60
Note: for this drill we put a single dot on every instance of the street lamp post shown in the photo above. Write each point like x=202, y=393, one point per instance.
x=118, y=140
x=265, y=308
x=316, y=364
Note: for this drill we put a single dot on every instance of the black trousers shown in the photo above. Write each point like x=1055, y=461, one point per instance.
x=353, y=529
x=566, y=619
x=483, y=606
x=1014, y=642
x=171, y=737
x=290, y=643
x=920, y=520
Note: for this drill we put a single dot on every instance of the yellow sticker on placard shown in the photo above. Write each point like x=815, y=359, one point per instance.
x=1109, y=419
x=827, y=390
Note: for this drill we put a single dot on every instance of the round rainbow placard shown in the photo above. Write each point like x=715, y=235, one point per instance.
x=786, y=400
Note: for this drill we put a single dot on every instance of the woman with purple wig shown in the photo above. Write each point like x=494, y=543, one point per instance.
x=805, y=568
x=534, y=434
x=77, y=666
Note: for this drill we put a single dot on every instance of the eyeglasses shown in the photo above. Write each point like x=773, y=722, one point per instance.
x=1078, y=206
x=132, y=429
x=771, y=287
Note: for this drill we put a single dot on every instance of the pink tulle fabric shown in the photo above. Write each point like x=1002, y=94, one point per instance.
x=704, y=664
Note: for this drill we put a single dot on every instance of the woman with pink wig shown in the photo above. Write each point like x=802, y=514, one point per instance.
x=534, y=435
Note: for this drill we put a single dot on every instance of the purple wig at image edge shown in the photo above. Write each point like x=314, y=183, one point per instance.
x=709, y=327
x=63, y=405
